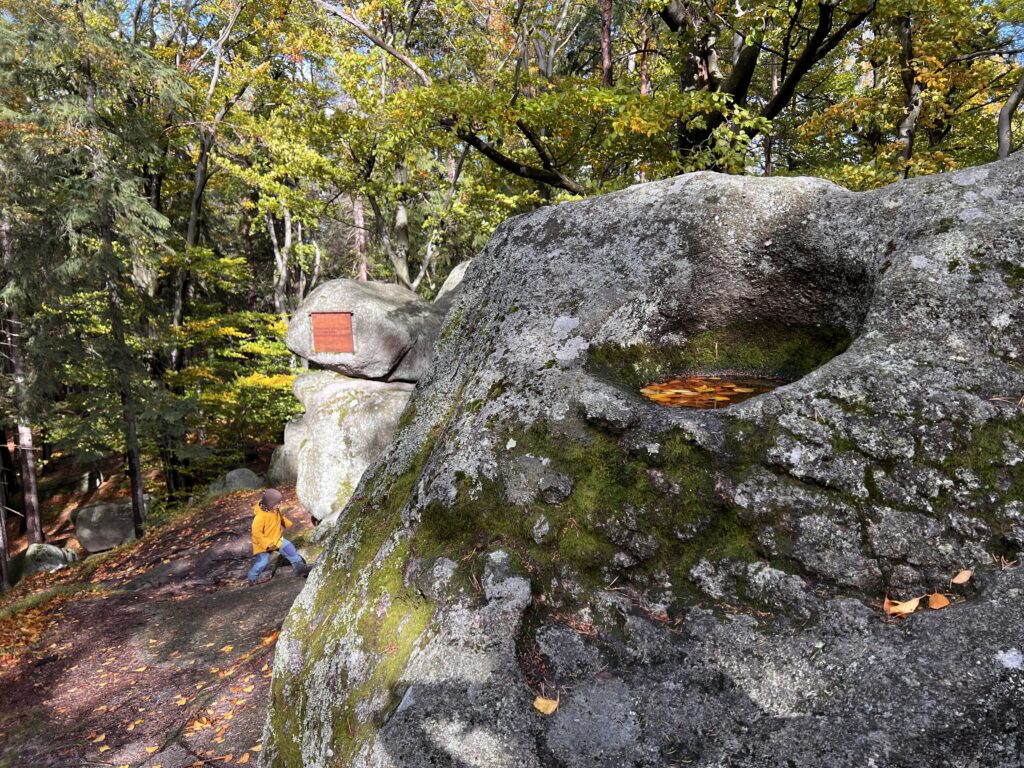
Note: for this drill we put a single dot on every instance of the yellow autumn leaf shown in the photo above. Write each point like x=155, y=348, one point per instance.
x=545, y=706
x=151, y=750
x=99, y=738
x=937, y=600
x=895, y=608
x=963, y=577
x=227, y=649
x=104, y=748
x=243, y=759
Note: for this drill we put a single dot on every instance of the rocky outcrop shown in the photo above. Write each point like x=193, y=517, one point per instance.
x=103, y=526
x=695, y=587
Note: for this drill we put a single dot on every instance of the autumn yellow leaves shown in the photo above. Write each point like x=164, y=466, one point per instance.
x=935, y=601
x=706, y=391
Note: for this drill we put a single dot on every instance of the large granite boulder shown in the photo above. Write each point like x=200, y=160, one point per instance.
x=346, y=424
x=241, y=479
x=103, y=526
x=696, y=587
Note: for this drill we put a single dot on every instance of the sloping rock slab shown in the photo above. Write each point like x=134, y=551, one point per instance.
x=723, y=571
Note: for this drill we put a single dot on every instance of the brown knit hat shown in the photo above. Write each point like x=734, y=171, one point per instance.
x=271, y=498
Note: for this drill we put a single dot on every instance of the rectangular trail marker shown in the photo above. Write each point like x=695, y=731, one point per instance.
x=332, y=331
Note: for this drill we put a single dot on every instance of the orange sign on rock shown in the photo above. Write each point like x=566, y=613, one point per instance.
x=332, y=331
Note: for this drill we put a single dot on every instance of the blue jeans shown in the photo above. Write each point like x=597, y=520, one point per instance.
x=263, y=559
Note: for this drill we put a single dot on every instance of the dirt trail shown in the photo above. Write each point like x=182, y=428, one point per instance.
x=160, y=656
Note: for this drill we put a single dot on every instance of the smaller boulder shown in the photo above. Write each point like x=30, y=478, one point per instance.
x=103, y=526
x=392, y=330
x=236, y=480
x=43, y=558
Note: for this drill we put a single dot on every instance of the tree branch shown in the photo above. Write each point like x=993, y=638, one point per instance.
x=376, y=39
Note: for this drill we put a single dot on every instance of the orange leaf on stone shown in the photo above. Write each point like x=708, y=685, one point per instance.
x=545, y=706
x=937, y=600
x=904, y=608
x=963, y=577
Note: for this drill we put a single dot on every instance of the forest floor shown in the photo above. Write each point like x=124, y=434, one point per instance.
x=155, y=654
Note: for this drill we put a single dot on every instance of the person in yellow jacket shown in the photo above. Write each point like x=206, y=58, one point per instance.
x=268, y=524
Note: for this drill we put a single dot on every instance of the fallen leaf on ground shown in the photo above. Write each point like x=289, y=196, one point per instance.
x=937, y=600
x=545, y=706
x=104, y=748
x=99, y=738
x=896, y=608
x=151, y=750
x=963, y=577
x=243, y=759
x=228, y=648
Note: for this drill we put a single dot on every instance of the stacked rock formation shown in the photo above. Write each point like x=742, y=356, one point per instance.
x=354, y=400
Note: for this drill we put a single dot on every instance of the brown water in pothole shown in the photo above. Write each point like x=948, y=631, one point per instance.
x=708, y=391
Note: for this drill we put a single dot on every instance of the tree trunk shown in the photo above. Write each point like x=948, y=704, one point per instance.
x=908, y=125
x=769, y=167
x=5, y=550
x=26, y=450
x=128, y=407
x=183, y=280
x=282, y=256
x=1006, y=119
x=359, y=223
x=607, y=79
x=645, y=41
x=8, y=472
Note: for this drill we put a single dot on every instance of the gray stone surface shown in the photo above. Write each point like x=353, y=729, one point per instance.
x=346, y=424
x=241, y=479
x=726, y=567
x=99, y=527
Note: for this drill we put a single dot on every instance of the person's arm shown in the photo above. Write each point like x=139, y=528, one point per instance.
x=285, y=521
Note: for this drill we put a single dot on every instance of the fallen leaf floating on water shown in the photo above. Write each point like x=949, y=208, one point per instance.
x=937, y=600
x=545, y=706
x=895, y=608
x=963, y=577
x=705, y=391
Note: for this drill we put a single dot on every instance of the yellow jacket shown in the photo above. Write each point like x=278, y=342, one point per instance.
x=267, y=529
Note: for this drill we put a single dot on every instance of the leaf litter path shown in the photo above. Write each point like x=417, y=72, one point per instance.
x=160, y=656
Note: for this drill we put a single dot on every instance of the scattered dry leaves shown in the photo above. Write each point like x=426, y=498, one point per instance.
x=706, y=391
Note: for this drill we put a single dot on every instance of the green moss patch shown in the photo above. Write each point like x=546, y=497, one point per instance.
x=765, y=349
x=667, y=498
